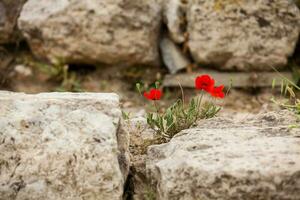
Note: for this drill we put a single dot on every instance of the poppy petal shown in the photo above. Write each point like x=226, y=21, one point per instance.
x=204, y=82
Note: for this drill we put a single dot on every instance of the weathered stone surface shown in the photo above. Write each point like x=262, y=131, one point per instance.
x=174, y=17
x=61, y=146
x=243, y=34
x=139, y=127
x=109, y=31
x=9, y=13
x=255, y=158
x=172, y=55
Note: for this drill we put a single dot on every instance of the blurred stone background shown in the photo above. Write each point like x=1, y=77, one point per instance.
x=75, y=45
x=110, y=45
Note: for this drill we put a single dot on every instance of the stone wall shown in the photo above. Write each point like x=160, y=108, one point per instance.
x=72, y=146
x=9, y=13
x=227, y=35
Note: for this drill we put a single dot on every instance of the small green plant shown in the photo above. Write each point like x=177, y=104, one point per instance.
x=180, y=115
x=69, y=82
x=288, y=88
x=125, y=116
x=59, y=72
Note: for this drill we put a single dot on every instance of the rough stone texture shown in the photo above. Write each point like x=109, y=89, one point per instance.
x=243, y=34
x=108, y=31
x=139, y=127
x=140, y=136
x=9, y=13
x=61, y=146
x=174, y=17
x=172, y=55
x=254, y=158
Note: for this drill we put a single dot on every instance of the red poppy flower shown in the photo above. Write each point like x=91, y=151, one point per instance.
x=204, y=82
x=218, y=92
x=153, y=94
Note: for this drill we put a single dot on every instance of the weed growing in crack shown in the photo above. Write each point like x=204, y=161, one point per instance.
x=288, y=89
x=58, y=72
x=181, y=115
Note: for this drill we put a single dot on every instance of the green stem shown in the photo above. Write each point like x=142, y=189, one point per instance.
x=199, y=104
x=156, y=107
x=182, y=93
x=285, y=78
x=229, y=88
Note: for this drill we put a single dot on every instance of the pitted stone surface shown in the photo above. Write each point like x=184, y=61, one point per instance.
x=107, y=31
x=243, y=34
x=174, y=17
x=61, y=146
x=257, y=158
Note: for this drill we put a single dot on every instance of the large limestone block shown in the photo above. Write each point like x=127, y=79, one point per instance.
x=243, y=34
x=61, y=146
x=256, y=158
x=106, y=31
x=9, y=13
